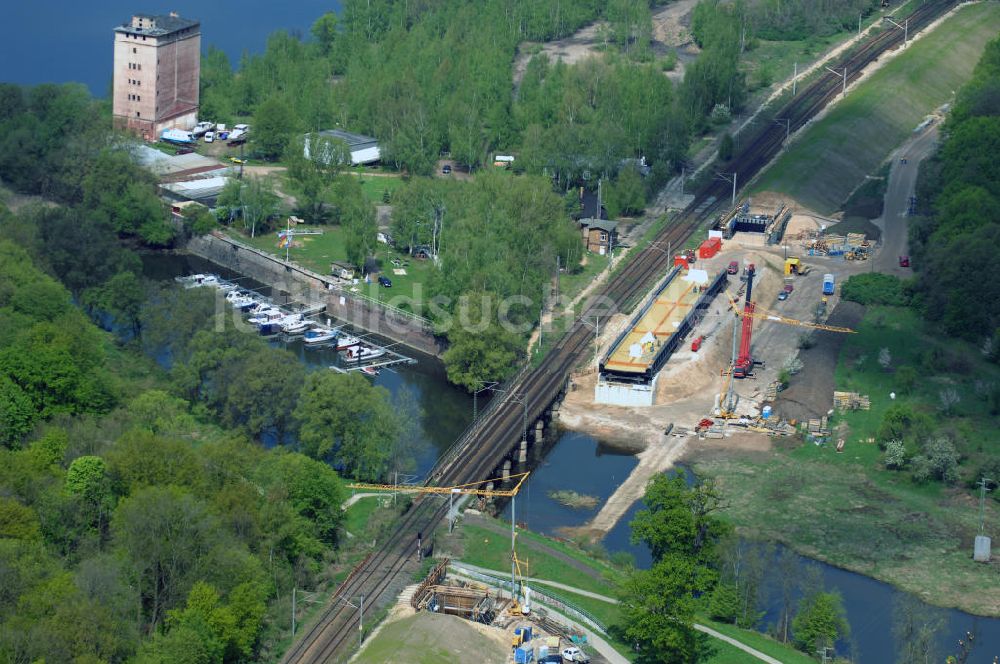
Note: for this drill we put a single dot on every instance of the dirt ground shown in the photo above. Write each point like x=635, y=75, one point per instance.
x=672, y=24
x=671, y=30
x=810, y=393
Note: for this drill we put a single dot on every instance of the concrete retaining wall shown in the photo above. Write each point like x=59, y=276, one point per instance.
x=304, y=285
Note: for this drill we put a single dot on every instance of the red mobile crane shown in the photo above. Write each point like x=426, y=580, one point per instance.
x=743, y=366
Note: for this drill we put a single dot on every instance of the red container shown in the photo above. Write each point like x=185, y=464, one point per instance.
x=709, y=247
x=682, y=261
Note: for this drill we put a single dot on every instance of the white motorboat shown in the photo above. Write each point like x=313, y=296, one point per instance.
x=345, y=341
x=294, y=324
x=266, y=317
x=225, y=286
x=240, y=299
x=318, y=335
x=258, y=307
x=197, y=280
x=363, y=353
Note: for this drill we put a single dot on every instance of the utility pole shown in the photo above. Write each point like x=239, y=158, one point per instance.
x=905, y=27
x=724, y=178
x=837, y=73
x=486, y=385
x=982, y=502
x=795, y=77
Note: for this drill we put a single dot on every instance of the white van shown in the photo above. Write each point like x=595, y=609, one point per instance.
x=209, y=136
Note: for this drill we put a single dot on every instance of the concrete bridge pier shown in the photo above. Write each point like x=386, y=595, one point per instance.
x=506, y=470
x=522, y=452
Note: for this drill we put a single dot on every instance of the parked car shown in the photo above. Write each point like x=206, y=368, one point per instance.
x=789, y=288
x=782, y=296
x=384, y=282
x=904, y=261
x=696, y=344
x=209, y=136
x=446, y=169
x=733, y=268
x=574, y=654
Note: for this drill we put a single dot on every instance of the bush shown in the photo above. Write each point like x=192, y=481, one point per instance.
x=906, y=379
x=875, y=288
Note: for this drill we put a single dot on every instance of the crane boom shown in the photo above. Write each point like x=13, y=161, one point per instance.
x=470, y=489
x=744, y=361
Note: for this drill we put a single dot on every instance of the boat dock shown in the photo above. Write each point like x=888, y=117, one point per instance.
x=356, y=352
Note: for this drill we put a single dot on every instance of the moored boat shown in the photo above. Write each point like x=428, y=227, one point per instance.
x=345, y=341
x=318, y=335
x=362, y=353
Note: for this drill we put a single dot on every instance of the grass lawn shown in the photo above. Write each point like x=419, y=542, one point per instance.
x=825, y=164
x=758, y=641
x=430, y=638
x=491, y=550
x=315, y=252
x=360, y=513
x=375, y=186
x=846, y=508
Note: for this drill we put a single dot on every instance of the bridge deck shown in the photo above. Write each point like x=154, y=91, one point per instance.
x=661, y=320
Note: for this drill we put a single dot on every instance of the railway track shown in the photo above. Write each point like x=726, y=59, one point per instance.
x=482, y=448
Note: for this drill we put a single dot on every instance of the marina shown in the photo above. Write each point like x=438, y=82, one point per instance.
x=355, y=351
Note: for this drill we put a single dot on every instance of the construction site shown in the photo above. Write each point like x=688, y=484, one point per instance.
x=533, y=624
x=707, y=354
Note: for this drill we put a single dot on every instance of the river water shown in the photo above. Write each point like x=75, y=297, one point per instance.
x=579, y=462
x=61, y=41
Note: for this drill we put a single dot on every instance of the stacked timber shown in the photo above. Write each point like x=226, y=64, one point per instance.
x=851, y=401
x=818, y=427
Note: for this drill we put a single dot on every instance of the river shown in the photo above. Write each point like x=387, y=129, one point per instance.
x=579, y=462
x=61, y=41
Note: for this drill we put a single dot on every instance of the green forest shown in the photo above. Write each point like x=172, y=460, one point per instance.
x=131, y=526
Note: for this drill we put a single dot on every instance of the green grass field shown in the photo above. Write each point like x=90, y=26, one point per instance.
x=832, y=157
x=846, y=508
x=430, y=638
x=315, y=252
x=761, y=642
x=360, y=513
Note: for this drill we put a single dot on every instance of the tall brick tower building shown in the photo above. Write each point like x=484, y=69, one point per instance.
x=157, y=71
